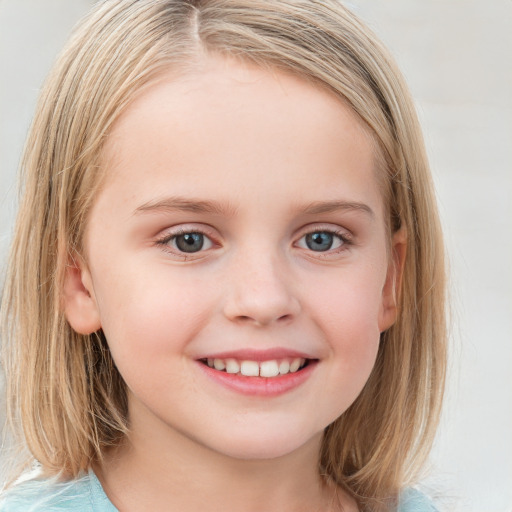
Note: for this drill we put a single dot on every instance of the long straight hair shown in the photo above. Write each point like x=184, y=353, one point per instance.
x=64, y=388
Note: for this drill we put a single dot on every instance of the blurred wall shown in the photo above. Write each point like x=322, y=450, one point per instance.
x=456, y=56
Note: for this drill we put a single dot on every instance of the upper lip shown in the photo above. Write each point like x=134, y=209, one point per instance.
x=259, y=355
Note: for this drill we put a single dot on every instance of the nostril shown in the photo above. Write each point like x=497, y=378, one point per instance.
x=261, y=320
x=244, y=318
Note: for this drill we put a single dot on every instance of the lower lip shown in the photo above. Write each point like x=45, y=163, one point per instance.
x=260, y=386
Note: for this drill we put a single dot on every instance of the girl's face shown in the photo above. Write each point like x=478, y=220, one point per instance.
x=241, y=225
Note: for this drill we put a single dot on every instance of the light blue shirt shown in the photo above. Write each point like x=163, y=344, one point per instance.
x=86, y=495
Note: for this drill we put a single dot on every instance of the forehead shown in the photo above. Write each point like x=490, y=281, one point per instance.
x=226, y=118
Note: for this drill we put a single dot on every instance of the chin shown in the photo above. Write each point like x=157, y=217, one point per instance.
x=265, y=445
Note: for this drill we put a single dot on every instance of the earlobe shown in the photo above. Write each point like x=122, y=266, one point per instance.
x=393, y=284
x=79, y=303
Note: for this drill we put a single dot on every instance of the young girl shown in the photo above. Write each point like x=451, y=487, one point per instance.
x=226, y=287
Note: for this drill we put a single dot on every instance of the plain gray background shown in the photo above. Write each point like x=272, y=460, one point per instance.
x=456, y=56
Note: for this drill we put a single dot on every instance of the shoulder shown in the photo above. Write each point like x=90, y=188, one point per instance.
x=412, y=500
x=81, y=495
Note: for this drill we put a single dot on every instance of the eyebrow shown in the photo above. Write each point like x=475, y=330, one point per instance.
x=319, y=207
x=172, y=204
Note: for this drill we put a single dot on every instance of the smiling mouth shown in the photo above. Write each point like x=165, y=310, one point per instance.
x=268, y=369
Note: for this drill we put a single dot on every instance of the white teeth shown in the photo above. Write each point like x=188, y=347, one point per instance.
x=219, y=364
x=284, y=367
x=269, y=369
x=232, y=366
x=295, y=365
x=250, y=368
x=266, y=369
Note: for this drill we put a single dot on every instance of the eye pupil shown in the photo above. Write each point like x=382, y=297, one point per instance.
x=190, y=242
x=319, y=241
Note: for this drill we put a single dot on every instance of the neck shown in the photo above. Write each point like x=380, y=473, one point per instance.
x=148, y=472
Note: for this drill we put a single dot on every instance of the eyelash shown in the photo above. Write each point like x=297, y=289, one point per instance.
x=164, y=241
x=344, y=237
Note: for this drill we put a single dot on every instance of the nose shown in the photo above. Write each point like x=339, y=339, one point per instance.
x=260, y=292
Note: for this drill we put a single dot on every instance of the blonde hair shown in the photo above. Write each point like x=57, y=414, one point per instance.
x=64, y=387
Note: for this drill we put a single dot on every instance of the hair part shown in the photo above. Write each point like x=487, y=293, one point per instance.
x=63, y=387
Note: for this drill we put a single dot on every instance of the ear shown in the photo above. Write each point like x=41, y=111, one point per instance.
x=79, y=303
x=392, y=286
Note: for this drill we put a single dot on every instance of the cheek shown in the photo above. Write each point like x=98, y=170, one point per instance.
x=146, y=316
x=349, y=303
x=347, y=312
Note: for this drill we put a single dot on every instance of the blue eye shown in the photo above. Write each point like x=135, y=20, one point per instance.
x=188, y=242
x=321, y=241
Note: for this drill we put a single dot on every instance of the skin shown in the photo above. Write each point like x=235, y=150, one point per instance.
x=268, y=149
